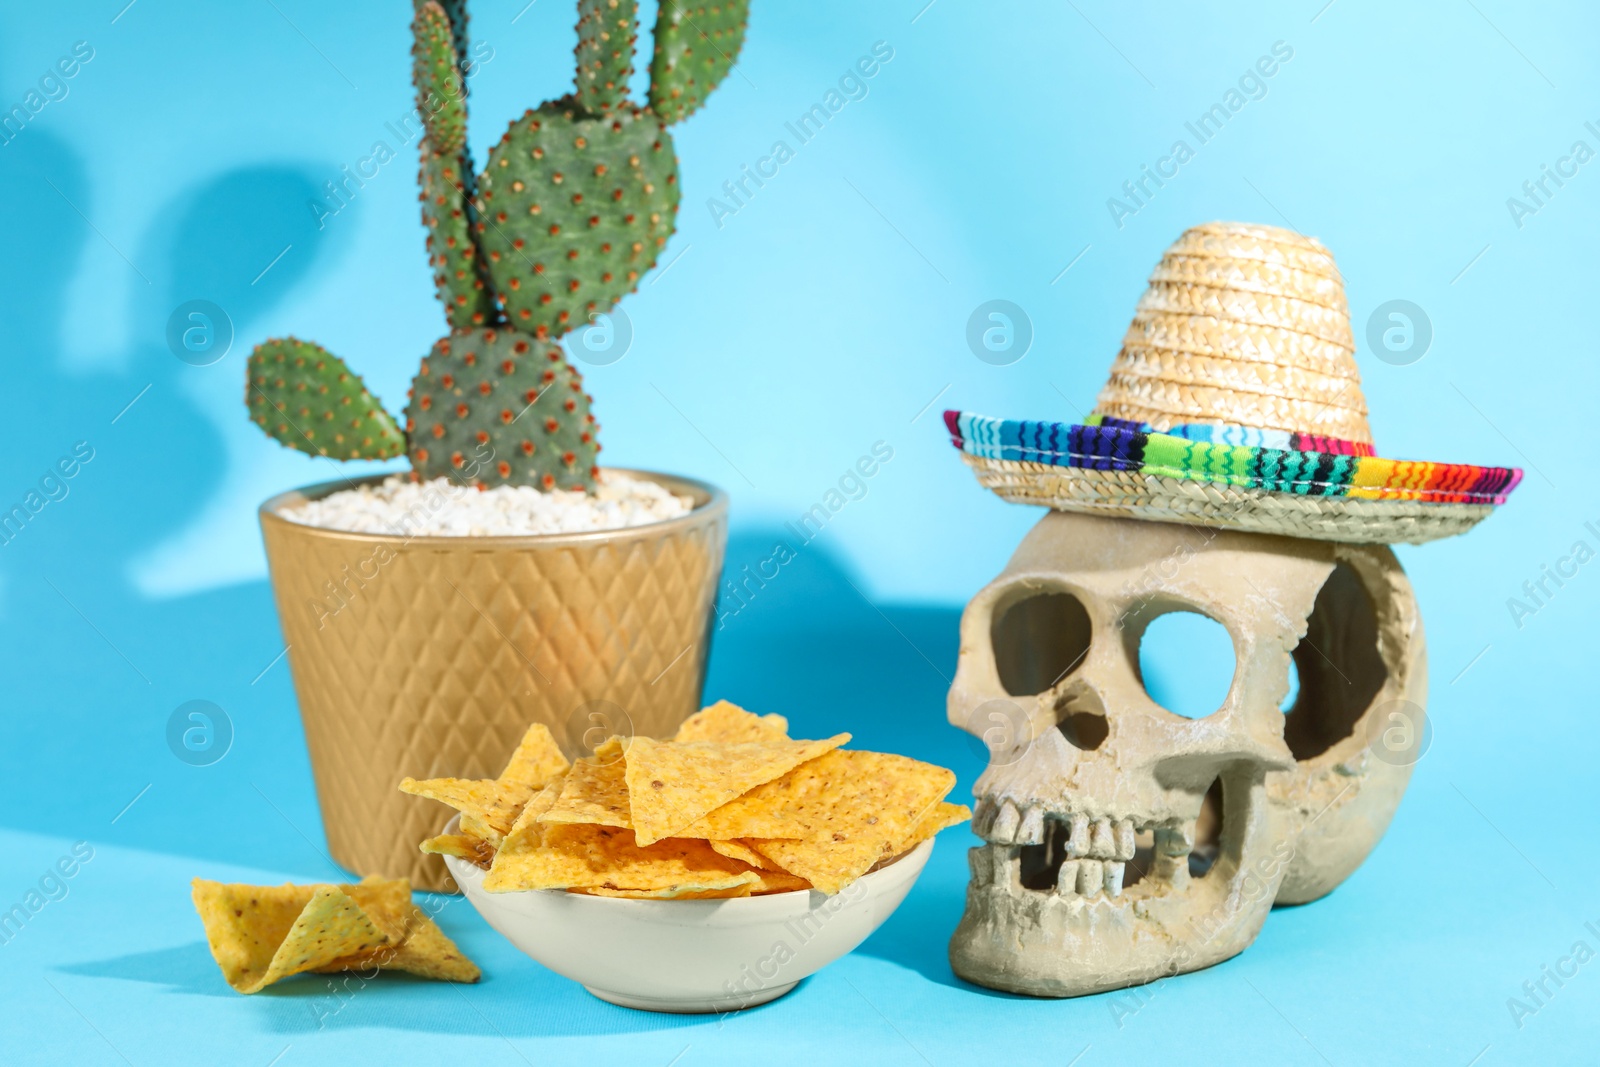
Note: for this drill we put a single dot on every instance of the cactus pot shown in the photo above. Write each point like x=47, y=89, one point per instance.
x=429, y=656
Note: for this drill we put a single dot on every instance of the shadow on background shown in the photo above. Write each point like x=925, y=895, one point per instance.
x=95, y=668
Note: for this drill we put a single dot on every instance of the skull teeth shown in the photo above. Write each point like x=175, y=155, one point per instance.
x=1091, y=877
x=1067, y=878
x=1078, y=843
x=1006, y=824
x=1031, y=831
x=1114, y=871
x=1101, y=840
x=983, y=813
x=1033, y=849
x=1127, y=840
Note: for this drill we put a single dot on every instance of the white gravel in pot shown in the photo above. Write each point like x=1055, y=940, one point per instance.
x=442, y=508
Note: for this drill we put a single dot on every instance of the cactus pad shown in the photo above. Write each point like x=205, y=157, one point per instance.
x=441, y=96
x=456, y=12
x=606, y=33
x=572, y=209
x=496, y=407
x=305, y=397
x=452, y=253
x=697, y=42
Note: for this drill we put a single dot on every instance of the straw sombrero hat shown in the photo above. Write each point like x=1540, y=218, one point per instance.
x=1235, y=402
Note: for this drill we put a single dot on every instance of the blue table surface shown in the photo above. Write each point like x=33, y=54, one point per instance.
x=1474, y=890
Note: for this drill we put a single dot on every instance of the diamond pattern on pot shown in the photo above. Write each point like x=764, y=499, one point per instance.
x=431, y=659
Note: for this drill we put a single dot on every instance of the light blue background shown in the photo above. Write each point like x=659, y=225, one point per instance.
x=828, y=314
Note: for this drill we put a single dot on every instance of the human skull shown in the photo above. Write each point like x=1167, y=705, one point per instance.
x=1125, y=843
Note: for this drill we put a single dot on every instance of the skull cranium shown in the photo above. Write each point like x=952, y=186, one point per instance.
x=1123, y=842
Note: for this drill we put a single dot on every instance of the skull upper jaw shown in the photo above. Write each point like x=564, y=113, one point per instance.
x=1022, y=934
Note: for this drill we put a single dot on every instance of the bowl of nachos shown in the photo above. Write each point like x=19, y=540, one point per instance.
x=708, y=872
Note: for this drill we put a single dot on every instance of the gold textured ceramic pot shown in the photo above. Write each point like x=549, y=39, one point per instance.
x=429, y=656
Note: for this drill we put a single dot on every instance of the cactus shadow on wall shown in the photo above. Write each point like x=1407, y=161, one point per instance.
x=96, y=667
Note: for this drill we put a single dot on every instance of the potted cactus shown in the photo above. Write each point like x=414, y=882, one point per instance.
x=431, y=651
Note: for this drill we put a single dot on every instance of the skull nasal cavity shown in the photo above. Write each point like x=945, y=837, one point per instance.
x=1038, y=641
x=1084, y=729
x=1340, y=668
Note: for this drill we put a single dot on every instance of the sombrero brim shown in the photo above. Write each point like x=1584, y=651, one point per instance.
x=1325, y=494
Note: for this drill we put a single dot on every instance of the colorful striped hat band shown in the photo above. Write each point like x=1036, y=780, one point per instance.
x=1234, y=402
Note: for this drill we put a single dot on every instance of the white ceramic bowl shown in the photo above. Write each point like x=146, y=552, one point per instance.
x=691, y=955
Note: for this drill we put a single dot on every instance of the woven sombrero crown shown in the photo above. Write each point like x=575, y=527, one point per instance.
x=1234, y=402
x=1243, y=325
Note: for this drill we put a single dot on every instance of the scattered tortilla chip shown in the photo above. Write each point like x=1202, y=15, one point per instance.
x=243, y=947
x=591, y=856
x=472, y=849
x=595, y=790
x=428, y=953
x=254, y=947
x=385, y=901
x=673, y=783
x=730, y=724
x=417, y=945
x=261, y=934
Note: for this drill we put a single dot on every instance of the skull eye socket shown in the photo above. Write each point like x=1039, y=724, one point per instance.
x=1337, y=665
x=1186, y=663
x=1038, y=641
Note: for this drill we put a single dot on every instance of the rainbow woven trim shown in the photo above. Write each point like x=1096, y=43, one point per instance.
x=1271, y=460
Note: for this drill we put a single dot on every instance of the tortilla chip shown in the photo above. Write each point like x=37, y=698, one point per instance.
x=673, y=783
x=472, y=826
x=777, y=882
x=245, y=924
x=528, y=830
x=591, y=856
x=831, y=819
x=472, y=849
x=839, y=792
x=730, y=724
x=489, y=806
x=417, y=947
x=595, y=790
x=260, y=934
x=827, y=865
x=536, y=761
x=428, y=953
x=738, y=850
x=385, y=901
x=480, y=802
x=330, y=926
x=666, y=894
x=941, y=817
